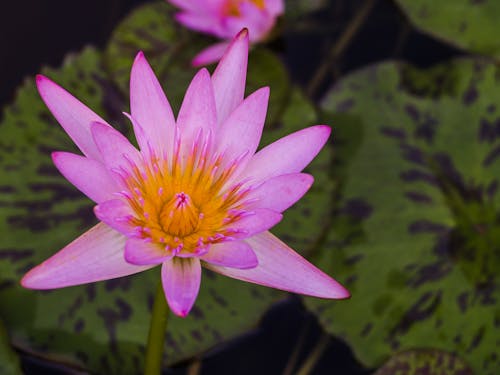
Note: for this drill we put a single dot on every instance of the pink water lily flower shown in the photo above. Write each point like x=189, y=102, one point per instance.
x=195, y=194
x=225, y=18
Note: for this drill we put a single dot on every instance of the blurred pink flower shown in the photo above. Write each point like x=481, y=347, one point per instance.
x=196, y=193
x=225, y=18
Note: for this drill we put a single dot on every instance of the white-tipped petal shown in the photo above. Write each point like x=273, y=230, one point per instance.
x=94, y=256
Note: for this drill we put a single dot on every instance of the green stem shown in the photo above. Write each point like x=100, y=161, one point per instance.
x=292, y=361
x=314, y=357
x=157, y=331
x=343, y=41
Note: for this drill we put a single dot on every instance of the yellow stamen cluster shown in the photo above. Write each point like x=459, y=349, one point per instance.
x=232, y=7
x=184, y=208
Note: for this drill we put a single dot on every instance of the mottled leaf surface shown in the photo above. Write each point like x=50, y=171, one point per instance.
x=424, y=362
x=9, y=362
x=102, y=327
x=416, y=232
x=469, y=24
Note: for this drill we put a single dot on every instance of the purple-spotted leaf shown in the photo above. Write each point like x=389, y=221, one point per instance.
x=416, y=231
x=469, y=24
x=424, y=362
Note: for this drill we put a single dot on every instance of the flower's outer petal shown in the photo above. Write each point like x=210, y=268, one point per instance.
x=197, y=110
x=204, y=22
x=280, y=192
x=234, y=254
x=88, y=175
x=114, y=147
x=94, y=256
x=230, y=76
x=243, y=128
x=140, y=252
x=289, y=154
x=282, y=268
x=210, y=55
x=73, y=115
x=150, y=108
x=275, y=7
x=200, y=6
x=186, y=4
x=181, y=279
x=117, y=214
x=258, y=21
x=258, y=220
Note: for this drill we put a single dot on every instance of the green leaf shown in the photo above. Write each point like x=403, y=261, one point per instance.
x=302, y=7
x=467, y=24
x=424, y=361
x=416, y=231
x=9, y=362
x=102, y=327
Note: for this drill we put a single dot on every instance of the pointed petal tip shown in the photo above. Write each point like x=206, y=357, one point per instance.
x=40, y=78
x=42, y=82
x=243, y=34
x=182, y=313
x=140, y=55
x=54, y=155
x=264, y=91
x=27, y=280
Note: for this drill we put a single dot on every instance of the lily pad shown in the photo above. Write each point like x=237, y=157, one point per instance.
x=9, y=362
x=468, y=24
x=102, y=327
x=416, y=231
x=424, y=362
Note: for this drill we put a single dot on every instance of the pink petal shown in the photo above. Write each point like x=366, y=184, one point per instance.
x=150, y=108
x=114, y=147
x=275, y=7
x=181, y=279
x=242, y=130
x=289, y=154
x=210, y=55
x=197, y=110
x=234, y=254
x=259, y=22
x=185, y=4
x=140, y=252
x=88, y=175
x=259, y=220
x=115, y=213
x=94, y=256
x=205, y=22
x=200, y=6
x=230, y=75
x=282, y=268
x=280, y=192
x=72, y=114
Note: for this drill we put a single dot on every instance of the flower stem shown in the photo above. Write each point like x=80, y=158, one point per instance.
x=343, y=41
x=157, y=331
x=314, y=356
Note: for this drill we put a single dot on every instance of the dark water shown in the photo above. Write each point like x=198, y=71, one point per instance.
x=37, y=33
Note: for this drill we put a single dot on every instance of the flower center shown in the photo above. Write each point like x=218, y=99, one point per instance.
x=179, y=216
x=232, y=7
x=185, y=205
